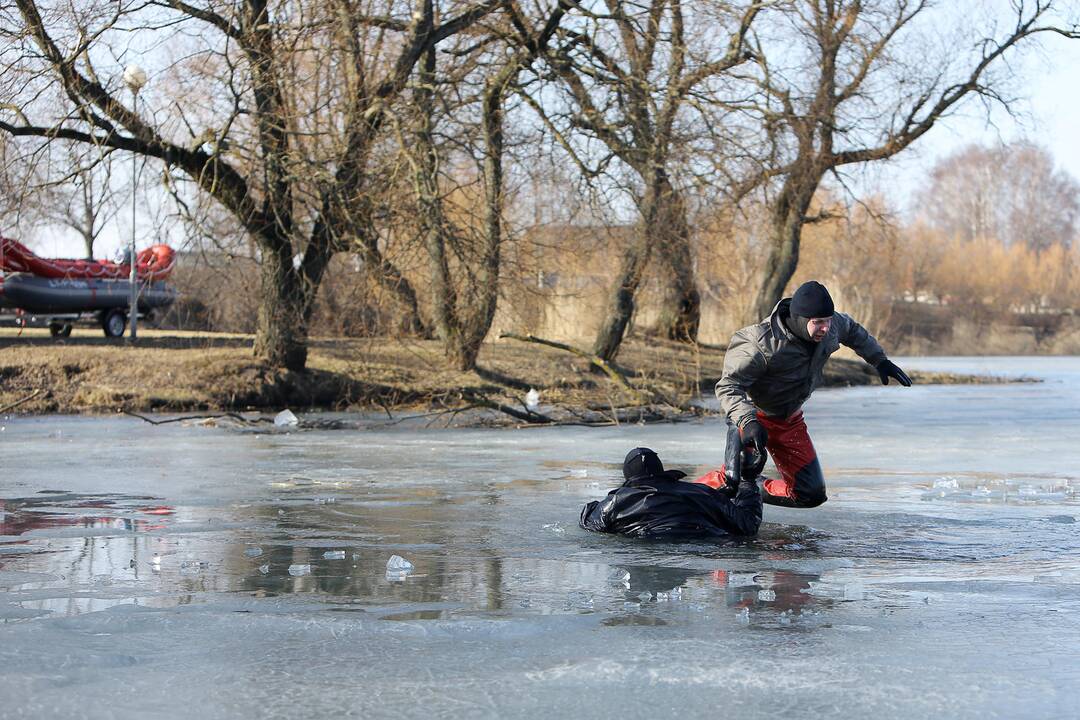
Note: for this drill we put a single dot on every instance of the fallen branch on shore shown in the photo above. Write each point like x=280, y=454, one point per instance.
x=218, y=416
x=17, y=403
x=594, y=360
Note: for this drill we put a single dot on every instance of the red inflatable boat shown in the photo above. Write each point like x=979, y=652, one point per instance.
x=153, y=263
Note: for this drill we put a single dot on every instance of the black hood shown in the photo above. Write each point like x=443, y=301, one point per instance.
x=643, y=463
x=796, y=324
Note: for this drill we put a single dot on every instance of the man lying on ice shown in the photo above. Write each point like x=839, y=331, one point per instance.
x=656, y=504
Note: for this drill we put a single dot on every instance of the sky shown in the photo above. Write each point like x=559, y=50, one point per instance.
x=1049, y=114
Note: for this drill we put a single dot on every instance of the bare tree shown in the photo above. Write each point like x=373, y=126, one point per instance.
x=465, y=257
x=1011, y=192
x=82, y=197
x=631, y=73
x=65, y=186
x=257, y=156
x=839, y=85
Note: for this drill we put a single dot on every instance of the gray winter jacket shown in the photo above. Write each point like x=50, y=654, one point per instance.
x=768, y=369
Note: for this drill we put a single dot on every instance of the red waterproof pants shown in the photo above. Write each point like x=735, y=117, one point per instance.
x=801, y=483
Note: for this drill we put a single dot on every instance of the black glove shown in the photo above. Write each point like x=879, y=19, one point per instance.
x=753, y=435
x=888, y=369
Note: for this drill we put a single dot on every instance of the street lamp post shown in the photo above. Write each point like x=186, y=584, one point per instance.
x=134, y=78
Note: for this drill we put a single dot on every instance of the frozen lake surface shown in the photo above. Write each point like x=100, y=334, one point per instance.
x=186, y=571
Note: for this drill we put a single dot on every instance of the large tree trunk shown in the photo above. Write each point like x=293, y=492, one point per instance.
x=463, y=311
x=621, y=303
x=785, y=233
x=480, y=312
x=435, y=226
x=680, y=310
x=281, y=333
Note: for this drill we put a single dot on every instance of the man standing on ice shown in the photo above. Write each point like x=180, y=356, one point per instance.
x=771, y=369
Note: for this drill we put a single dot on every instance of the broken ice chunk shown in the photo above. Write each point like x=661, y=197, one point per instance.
x=285, y=418
x=253, y=552
x=398, y=568
x=297, y=570
x=334, y=555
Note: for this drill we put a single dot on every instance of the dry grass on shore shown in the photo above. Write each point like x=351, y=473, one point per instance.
x=169, y=371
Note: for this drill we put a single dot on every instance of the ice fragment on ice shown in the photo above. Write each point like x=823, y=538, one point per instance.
x=766, y=595
x=854, y=591
x=334, y=555
x=398, y=568
x=555, y=528
x=253, y=552
x=297, y=570
x=285, y=418
x=264, y=568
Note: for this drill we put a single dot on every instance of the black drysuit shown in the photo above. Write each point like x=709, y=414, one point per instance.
x=663, y=507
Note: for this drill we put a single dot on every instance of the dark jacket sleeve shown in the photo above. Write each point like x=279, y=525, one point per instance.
x=592, y=516
x=742, y=514
x=856, y=337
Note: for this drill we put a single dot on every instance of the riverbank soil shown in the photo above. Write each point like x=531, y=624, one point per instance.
x=171, y=371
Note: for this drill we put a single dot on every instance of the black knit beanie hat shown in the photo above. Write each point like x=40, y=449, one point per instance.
x=812, y=300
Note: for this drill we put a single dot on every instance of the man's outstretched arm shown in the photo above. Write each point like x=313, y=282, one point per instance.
x=866, y=346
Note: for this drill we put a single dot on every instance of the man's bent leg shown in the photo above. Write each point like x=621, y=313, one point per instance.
x=801, y=483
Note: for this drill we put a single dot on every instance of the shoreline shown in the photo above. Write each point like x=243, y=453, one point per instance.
x=208, y=373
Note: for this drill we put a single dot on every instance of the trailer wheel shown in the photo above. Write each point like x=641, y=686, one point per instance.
x=60, y=330
x=113, y=323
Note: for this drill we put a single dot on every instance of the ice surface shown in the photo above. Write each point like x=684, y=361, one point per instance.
x=854, y=591
x=890, y=601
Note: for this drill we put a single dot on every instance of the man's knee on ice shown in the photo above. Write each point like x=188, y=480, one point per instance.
x=812, y=499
